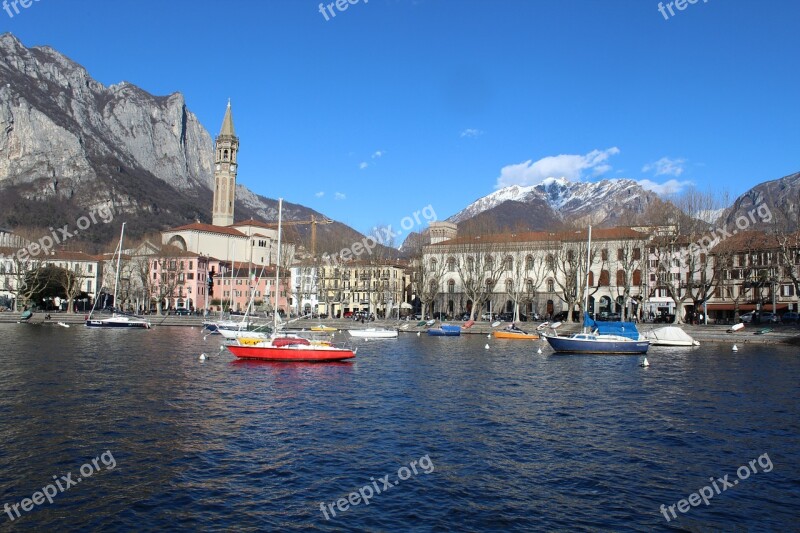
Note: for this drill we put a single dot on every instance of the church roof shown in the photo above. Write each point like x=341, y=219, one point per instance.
x=227, y=123
x=208, y=228
x=255, y=223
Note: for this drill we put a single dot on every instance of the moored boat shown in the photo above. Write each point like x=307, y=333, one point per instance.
x=373, y=333
x=599, y=337
x=117, y=319
x=446, y=330
x=592, y=343
x=285, y=347
x=290, y=349
x=322, y=327
x=669, y=336
x=517, y=335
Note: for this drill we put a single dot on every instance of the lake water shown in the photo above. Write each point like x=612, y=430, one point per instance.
x=502, y=439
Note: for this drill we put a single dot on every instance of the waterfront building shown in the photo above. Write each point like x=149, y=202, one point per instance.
x=531, y=273
x=376, y=287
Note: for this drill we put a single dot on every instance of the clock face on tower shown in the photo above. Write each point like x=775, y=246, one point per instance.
x=233, y=167
x=218, y=166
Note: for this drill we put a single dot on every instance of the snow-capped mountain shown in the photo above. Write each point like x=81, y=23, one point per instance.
x=606, y=202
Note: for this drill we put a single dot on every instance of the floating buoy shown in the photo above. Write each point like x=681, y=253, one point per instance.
x=486, y=347
x=539, y=350
x=418, y=334
x=489, y=336
x=202, y=357
x=735, y=348
x=644, y=362
x=221, y=348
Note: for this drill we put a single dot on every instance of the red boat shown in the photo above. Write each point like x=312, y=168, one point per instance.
x=291, y=349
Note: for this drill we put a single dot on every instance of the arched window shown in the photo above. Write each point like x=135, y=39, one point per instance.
x=509, y=286
x=551, y=285
x=470, y=264
x=224, y=155
x=637, y=278
x=620, y=278
x=508, y=263
x=489, y=285
x=529, y=286
x=489, y=263
x=550, y=262
x=451, y=264
x=432, y=286
x=434, y=264
x=529, y=262
x=605, y=278
x=451, y=286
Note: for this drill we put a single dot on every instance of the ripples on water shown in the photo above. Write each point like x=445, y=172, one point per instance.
x=519, y=441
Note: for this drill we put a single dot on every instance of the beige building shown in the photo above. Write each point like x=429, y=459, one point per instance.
x=360, y=286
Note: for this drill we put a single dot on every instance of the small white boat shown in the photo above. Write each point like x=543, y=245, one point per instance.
x=670, y=336
x=373, y=333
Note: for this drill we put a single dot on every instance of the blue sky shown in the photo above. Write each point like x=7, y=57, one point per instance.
x=397, y=104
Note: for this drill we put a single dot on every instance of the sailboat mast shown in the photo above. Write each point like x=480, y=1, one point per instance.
x=277, y=268
x=119, y=258
x=588, y=271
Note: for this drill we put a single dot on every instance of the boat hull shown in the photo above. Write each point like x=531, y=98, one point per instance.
x=437, y=332
x=599, y=346
x=291, y=353
x=516, y=335
x=373, y=333
x=117, y=325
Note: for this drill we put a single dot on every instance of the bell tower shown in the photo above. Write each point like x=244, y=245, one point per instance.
x=225, y=168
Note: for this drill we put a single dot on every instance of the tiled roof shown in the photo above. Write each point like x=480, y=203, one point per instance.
x=598, y=234
x=208, y=228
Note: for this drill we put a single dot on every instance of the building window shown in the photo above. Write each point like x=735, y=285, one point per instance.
x=529, y=262
x=551, y=285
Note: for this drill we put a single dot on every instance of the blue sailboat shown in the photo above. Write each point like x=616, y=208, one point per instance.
x=599, y=337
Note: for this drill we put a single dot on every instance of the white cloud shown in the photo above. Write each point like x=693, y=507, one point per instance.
x=377, y=154
x=320, y=194
x=471, y=132
x=666, y=167
x=339, y=196
x=668, y=187
x=363, y=165
x=571, y=167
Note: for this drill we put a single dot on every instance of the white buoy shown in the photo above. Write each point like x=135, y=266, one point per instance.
x=644, y=362
x=221, y=348
x=486, y=347
x=735, y=348
x=539, y=350
x=202, y=357
x=489, y=336
x=418, y=334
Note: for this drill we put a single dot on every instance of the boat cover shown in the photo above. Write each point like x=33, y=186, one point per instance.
x=624, y=329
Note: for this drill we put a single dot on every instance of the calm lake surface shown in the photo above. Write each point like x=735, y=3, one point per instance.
x=514, y=440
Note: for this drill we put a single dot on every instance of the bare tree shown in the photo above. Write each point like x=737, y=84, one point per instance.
x=628, y=262
x=571, y=271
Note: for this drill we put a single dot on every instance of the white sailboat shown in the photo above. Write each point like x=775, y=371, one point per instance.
x=118, y=319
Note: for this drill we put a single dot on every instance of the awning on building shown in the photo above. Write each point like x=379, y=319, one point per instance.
x=745, y=307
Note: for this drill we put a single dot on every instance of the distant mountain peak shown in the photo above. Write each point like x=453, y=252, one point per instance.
x=558, y=199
